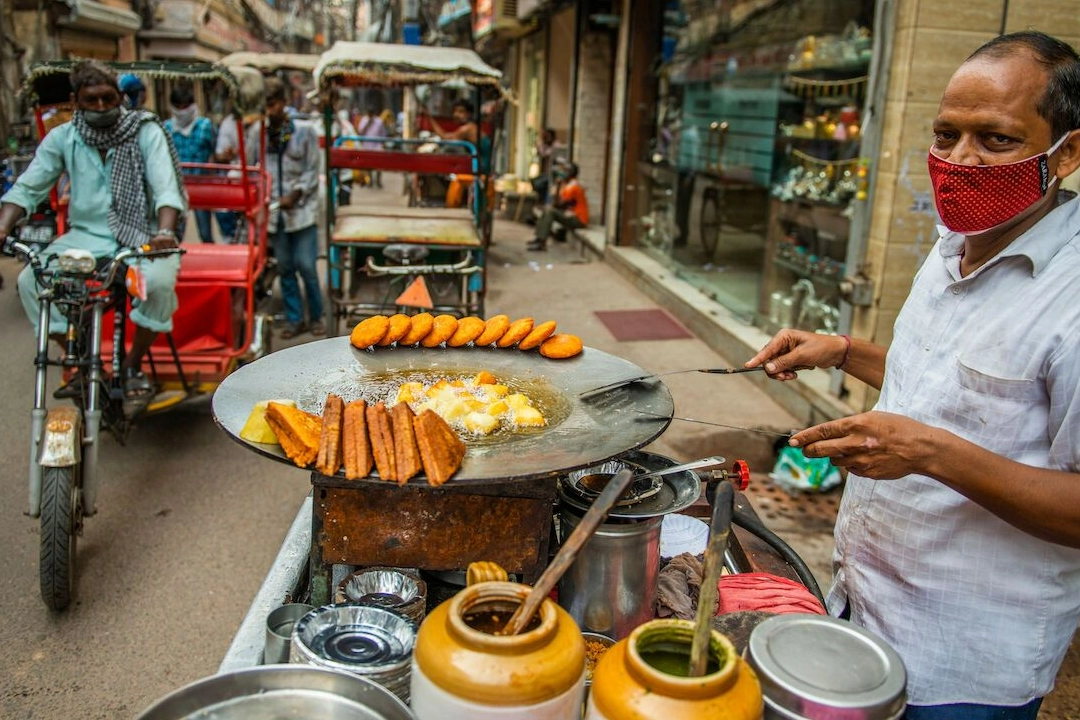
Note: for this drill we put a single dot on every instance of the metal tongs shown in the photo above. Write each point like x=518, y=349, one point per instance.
x=585, y=395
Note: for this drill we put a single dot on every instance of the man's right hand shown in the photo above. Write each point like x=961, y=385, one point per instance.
x=792, y=350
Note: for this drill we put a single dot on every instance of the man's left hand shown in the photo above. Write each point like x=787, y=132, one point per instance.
x=162, y=242
x=877, y=445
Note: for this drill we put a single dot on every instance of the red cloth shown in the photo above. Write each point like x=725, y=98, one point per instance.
x=766, y=593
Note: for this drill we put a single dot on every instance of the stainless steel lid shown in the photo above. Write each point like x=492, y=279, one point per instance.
x=648, y=499
x=812, y=667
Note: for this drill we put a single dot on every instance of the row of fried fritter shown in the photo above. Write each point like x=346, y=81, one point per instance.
x=431, y=331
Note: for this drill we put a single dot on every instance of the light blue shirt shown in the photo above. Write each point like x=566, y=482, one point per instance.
x=63, y=150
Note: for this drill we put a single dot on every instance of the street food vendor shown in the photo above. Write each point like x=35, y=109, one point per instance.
x=958, y=537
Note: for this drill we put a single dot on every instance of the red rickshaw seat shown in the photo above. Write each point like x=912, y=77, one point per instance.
x=206, y=263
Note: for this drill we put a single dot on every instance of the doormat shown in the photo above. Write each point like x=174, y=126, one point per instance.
x=630, y=325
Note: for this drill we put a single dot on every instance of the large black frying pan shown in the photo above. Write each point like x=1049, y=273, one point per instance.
x=578, y=433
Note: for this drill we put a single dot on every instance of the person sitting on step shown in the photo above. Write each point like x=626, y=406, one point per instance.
x=570, y=208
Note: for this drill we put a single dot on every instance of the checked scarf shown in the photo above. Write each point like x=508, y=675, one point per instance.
x=129, y=212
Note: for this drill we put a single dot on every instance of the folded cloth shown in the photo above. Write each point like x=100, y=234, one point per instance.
x=678, y=586
x=767, y=593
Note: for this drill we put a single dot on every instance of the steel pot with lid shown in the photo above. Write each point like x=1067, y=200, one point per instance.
x=276, y=692
x=814, y=667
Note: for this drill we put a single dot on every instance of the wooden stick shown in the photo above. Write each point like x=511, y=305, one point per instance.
x=723, y=507
x=568, y=552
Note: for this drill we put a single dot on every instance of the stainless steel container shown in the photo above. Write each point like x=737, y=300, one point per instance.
x=814, y=667
x=611, y=587
x=273, y=692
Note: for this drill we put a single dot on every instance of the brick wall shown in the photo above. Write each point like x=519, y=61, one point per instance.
x=593, y=119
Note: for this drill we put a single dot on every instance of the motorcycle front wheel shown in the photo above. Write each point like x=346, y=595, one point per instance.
x=61, y=516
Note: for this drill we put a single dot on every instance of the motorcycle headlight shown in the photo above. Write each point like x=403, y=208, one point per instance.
x=74, y=260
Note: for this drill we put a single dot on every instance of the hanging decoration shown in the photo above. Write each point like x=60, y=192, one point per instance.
x=805, y=87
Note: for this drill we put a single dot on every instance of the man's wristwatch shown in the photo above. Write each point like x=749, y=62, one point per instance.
x=165, y=232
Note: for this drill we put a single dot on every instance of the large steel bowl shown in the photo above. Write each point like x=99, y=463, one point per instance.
x=280, y=692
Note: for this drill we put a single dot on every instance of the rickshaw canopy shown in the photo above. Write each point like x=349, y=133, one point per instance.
x=270, y=62
x=388, y=65
x=48, y=83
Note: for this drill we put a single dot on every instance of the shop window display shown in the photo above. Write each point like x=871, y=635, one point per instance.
x=748, y=183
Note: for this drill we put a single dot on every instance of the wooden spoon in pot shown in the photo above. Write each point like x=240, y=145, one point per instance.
x=723, y=508
x=595, y=515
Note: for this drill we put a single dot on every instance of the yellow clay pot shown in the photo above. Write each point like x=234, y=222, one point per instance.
x=626, y=687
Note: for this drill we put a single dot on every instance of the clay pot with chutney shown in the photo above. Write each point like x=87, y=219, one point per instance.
x=645, y=676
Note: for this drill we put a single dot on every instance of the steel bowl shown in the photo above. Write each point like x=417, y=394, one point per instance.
x=387, y=587
x=276, y=692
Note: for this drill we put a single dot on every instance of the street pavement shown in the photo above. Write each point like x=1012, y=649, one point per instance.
x=189, y=521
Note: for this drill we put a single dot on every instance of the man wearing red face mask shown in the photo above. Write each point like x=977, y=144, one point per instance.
x=958, y=538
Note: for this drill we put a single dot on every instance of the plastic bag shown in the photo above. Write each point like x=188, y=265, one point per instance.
x=795, y=472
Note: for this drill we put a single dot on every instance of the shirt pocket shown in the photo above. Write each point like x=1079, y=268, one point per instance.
x=998, y=391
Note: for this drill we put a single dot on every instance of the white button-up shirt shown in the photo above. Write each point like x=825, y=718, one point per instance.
x=980, y=611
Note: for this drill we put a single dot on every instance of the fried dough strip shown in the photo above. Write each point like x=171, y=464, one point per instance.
x=441, y=450
x=354, y=436
x=406, y=455
x=297, y=431
x=328, y=461
x=381, y=433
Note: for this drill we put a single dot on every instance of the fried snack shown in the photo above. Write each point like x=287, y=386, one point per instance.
x=419, y=326
x=562, y=345
x=406, y=455
x=468, y=329
x=256, y=429
x=370, y=331
x=516, y=332
x=296, y=430
x=328, y=461
x=537, y=335
x=494, y=328
x=441, y=450
x=399, y=326
x=441, y=331
x=354, y=439
x=382, y=440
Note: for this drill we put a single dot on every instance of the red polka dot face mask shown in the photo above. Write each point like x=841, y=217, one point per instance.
x=972, y=199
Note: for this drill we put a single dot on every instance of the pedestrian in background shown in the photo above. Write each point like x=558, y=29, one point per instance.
x=195, y=140
x=570, y=208
x=958, y=536
x=371, y=125
x=227, y=150
x=292, y=159
x=133, y=90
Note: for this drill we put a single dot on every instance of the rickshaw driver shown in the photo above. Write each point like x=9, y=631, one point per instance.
x=122, y=166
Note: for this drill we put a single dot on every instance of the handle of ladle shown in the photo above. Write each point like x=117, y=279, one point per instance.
x=595, y=515
x=723, y=508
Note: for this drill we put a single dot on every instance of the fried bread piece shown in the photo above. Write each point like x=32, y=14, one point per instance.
x=494, y=328
x=354, y=439
x=406, y=456
x=296, y=430
x=537, y=335
x=441, y=450
x=399, y=326
x=560, y=346
x=380, y=431
x=328, y=461
x=468, y=329
x=369, y=331
x=516, y=332
x=419, y=326
x=442, y=329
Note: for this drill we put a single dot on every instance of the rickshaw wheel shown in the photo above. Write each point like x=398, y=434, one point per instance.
x=61, y=516
x=710, y=221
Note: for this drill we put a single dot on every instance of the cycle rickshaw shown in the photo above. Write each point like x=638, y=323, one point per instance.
x=217, y=325
x=376, y=251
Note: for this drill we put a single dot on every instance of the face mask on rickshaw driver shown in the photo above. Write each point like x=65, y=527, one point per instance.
x=102, y=119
